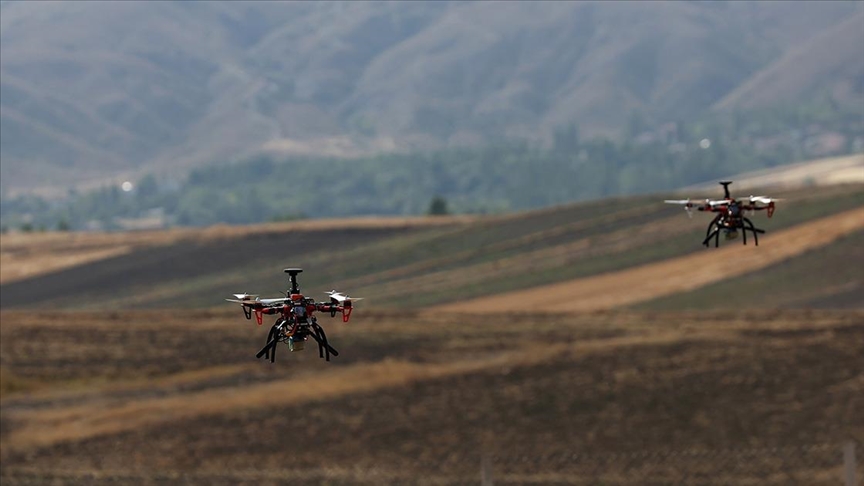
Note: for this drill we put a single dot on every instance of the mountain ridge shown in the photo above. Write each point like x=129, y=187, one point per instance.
x=97, y=92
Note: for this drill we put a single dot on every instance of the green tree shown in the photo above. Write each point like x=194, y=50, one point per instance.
x=147, y=187
x=438, y=207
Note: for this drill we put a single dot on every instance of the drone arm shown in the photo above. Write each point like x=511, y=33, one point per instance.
x=333, y=309
x=753, y=207
x=259, y=312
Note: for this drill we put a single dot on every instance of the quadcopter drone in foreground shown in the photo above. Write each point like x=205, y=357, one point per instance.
x=296, y=322
x=730, y=215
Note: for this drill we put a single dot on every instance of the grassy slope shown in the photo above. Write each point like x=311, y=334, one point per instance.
x=830, y=276
x=138, y=397
x=672, y=276
x=395, y=267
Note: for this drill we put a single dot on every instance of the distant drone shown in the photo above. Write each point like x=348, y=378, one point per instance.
x=730, y=217
x=296, y=322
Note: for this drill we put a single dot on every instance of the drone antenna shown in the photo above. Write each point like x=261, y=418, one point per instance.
x=725, y=185
x=292, y=273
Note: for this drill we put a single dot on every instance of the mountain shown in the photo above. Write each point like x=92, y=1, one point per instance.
x=801, y=71
x=91, y=92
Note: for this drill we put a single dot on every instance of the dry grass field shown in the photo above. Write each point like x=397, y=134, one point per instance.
x=27, y=255
x=612, y=397
x=673, y=276
x=593, y=343
x=405, y=263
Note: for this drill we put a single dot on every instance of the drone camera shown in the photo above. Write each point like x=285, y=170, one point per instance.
x=296, y=344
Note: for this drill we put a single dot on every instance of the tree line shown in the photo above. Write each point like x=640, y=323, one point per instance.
x=505, y=176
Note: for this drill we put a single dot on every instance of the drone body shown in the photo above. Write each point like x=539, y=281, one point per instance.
x=730, y=215
x=296, y=322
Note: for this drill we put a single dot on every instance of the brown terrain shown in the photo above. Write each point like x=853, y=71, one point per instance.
x=25, y=255
x=568, y=398
x=628, y=354
x=651, y=281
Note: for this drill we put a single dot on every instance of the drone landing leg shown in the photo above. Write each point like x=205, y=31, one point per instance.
x=266, y=350
x=269, y=349
x=329, y=349
x=711, y=226
x=755, y=230
x=744, y=234
x=270, y=337
x=320, y=345
x=317, y=337
x=717, y=239
x=712, y=234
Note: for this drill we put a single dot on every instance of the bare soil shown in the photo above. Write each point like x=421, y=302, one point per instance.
x=763, y=397
x=669, y=277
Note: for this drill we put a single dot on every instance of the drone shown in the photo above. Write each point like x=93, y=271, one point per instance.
x=730, y=215
x=296, y=322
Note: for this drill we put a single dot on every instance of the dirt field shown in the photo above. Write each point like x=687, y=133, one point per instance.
x=830, y=277
x=27, y=255
x=544, y=386
x=149, y=397
x=649, y=282
x=401, y=264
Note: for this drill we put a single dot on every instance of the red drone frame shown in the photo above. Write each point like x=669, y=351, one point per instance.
x=296, y=321
x=730, y=215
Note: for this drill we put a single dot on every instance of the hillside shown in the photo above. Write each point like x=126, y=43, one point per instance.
x=678, y=275
x=828, y=171
x=93, y=93
x=828, y=52
x=24, y=255
x=798, y=283
x=580, y=344
x=400, y=264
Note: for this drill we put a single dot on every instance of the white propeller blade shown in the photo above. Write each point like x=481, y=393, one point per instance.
x=340, y=297
x=245, y=299
x=245, y=296
x=763, y=199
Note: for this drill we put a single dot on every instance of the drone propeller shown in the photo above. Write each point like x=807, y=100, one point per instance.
x=256, y=301
x=340, y=297
x=688, y=205
x=763, y=199
x=246, y=296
